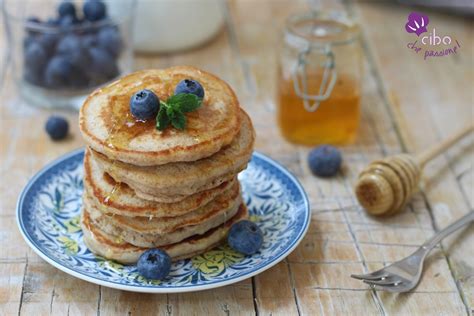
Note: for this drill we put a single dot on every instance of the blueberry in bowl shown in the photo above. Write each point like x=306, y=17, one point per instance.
x=73, y=49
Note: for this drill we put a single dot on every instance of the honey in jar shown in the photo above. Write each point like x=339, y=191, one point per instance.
x=318, y=89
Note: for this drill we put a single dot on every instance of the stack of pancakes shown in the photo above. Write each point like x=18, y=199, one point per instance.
x=176, y=190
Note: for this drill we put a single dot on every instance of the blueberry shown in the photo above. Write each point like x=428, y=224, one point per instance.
x=324, y=161
x=89, y=40
x=66, y=8
x=144, y=104
x=36, y=56
x=189, y=86
x=245, y=237
x=154, y=264
x=49, y=41
x=109, y=38
x=103, y=65
x=68, y=44
x=57, y=127
x=94, y=10
x=67, y=22
x=58, y=72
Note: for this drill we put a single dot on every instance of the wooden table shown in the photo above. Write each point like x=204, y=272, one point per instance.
x=408, y=104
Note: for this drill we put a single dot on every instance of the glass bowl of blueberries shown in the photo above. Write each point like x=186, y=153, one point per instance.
x=62, y=50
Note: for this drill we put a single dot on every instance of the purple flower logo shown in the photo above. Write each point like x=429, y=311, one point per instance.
x=417, y=23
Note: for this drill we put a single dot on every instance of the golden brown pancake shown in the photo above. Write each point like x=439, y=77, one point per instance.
x=175, y=181
x=112, y=247
x=109, y=128
x=120, y=199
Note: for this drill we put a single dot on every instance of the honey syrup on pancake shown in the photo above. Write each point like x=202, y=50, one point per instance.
x=123, y=127
x=109, y=198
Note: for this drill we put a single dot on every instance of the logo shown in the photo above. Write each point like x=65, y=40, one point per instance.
x=417, y=23
x=432, y=44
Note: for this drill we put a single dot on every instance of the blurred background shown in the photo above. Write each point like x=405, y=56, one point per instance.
x=305, y=64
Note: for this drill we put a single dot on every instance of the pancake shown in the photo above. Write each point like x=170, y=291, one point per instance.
x=162, y=225
x=110, y=247
x=176, y=181
x=141, y=232
x=109, y=128
x=119, y=199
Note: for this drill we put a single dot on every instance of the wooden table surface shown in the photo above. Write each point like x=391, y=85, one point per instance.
x=408, y=105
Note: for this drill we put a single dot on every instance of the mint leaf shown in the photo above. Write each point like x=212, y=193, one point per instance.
x=178, y=120
x=184, y=102
x=162, y=119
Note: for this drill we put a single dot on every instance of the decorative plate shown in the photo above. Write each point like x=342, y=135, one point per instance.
x=48, y=217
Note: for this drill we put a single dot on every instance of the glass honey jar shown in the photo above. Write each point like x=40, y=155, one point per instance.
x=319, y=75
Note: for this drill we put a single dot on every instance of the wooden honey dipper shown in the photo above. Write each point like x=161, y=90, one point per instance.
x=385, y=186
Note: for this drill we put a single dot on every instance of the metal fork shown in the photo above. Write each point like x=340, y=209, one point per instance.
x=404, y=275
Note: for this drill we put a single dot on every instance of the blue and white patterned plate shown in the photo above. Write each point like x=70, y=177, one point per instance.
x=48, y=217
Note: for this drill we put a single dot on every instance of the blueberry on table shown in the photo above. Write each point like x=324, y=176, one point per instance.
x=325, y=161
x=109, y=39
x=154, y=264
x=190, y=86
x=58, y=72
x=144, y=104
x=245, y=237
x=57, y=127
x=66, y=8
x=94, y=10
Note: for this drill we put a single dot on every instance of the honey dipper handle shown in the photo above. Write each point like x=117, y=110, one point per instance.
x=434, y=151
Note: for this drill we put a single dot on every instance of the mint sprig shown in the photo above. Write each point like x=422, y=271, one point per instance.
x=172, y=111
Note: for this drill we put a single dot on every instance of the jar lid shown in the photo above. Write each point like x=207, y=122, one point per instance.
x=320, y=29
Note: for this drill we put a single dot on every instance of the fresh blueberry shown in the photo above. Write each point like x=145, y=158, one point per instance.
x=103, y=65
x=154, y=264
x=68, y=44
x=190, y=86
x=67, y=22
x=245, y=237
x=58, y=72
x=57, y=127
x=66, y=8
x=144, y=104
x=36, y=56
x=89, y=40
x=94, y=10
x=325, y=160
x=109, y=38
x=48, y=41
